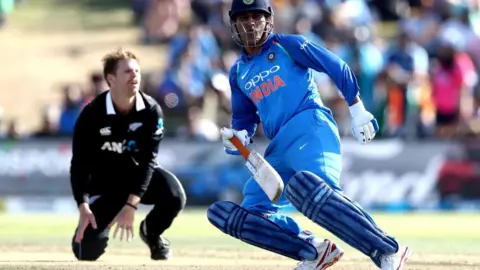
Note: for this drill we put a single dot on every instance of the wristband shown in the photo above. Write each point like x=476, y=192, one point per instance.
x=132, y=205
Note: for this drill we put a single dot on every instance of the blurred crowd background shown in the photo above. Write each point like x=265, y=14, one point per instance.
x=416, y=61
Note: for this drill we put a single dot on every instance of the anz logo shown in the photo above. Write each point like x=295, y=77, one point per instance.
x=116, y=147
x=120, y=147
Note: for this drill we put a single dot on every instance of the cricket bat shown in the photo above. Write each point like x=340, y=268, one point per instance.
x=265, y=175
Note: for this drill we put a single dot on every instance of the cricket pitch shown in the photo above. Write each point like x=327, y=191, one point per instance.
x=439, y=241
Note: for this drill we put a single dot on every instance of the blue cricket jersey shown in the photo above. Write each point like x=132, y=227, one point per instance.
x=277, y=83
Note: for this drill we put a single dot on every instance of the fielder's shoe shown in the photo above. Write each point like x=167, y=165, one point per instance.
x=159, y=245
x=328, y=254
x=396, y=261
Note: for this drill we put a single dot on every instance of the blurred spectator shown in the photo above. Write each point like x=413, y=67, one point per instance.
x=71, y=108
x=288, y=12
x=404, y=75
x=50, y=122
x=213, y=14
x=195, y=59
x=453, y=78
x=162, y=19
x=139, y=11
x=13, y=130
x=422, y=24
x=199, y=128
x=367, y=61
x=97, y=85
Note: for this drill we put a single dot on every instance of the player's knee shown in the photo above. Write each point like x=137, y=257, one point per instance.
x=89, y=250
x=178, y=198
x=176, y=205
x=181, y=199
x=229, y=217
x=305, y=189
x=219, y=215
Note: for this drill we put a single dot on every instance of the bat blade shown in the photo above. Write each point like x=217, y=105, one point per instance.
x=265, y=175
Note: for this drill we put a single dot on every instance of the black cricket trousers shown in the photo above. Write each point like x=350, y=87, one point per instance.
x=165, y=192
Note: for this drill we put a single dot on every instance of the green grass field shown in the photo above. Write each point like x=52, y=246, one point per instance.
x=439, y=241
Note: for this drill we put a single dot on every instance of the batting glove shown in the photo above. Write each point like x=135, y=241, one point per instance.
x=228, y=133
x=364, y=125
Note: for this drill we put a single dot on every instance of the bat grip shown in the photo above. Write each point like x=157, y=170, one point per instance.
x=240, y=147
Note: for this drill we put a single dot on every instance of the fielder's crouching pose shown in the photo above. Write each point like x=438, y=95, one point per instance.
x=114, y=167
x=272, y=83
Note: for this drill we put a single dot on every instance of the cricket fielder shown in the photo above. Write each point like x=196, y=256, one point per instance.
x=114, y=166
x=272, y=83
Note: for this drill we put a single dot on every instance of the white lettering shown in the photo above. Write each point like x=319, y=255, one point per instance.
x=113, y=147
x=261, y=77
x=117, y=147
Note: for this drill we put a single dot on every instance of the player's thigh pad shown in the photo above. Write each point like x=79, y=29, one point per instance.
x=333, y=211
x=254, y=229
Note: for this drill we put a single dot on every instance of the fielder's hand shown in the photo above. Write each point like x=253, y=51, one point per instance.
x=228, y=133
x=124, y=220
x=86, y=218
x=364, y=125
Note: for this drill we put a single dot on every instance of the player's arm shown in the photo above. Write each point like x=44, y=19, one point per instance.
x=81, y=156
x=311, y=55
x=244, y=112
x=244, y=117
x=148, y=147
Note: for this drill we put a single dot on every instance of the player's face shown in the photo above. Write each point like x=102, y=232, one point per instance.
x=251, y=28
x=128, y=76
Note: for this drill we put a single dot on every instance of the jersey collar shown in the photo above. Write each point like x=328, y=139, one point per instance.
x=265, y=46
x=139, y=103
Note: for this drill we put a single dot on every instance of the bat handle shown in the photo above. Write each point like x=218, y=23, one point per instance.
x=240, y=147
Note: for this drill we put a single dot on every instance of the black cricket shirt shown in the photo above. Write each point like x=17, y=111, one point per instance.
x=115, y=153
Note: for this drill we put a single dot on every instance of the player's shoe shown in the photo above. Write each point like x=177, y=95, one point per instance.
x=159, y=245
x=396, y=261
x=328, y=254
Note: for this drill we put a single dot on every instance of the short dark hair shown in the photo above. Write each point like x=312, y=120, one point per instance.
x=110, y=61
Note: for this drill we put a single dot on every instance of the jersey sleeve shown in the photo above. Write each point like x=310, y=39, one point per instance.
x=80, y=168
x=148, y=150
x=244, y=112
x=310, y=55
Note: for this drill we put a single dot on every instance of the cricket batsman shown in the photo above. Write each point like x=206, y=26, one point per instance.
x=272, y=83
